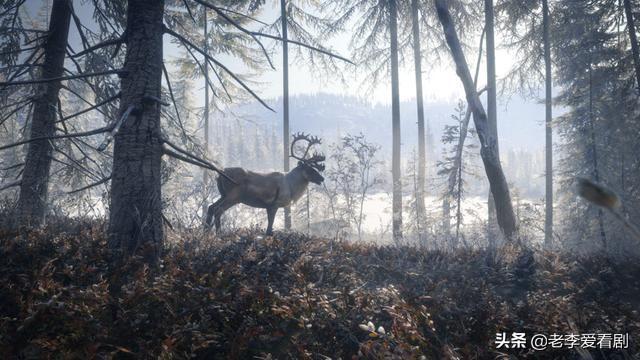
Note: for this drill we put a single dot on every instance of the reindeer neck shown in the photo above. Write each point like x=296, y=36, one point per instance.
x=297, y=182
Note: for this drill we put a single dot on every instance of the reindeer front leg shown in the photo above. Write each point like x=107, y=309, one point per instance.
x=271, y=216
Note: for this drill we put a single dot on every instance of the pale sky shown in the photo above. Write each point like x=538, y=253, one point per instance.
x=440, y=81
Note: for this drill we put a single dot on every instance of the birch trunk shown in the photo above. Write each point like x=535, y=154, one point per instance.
x=548, y=221
x=489, y=146
x=420, y=193
x=285, y=102
x=395, y=119
x=491, y=108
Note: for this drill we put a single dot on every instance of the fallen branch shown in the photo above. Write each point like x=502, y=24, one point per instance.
x=115, y=128
x=195, y=160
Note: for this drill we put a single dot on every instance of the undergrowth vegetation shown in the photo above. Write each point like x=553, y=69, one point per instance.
x=246, y=296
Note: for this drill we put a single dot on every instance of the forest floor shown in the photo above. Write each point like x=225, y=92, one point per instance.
x=245, y=296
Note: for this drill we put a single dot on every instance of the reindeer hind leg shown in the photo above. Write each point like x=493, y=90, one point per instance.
x=211, y=211
x=223, y=206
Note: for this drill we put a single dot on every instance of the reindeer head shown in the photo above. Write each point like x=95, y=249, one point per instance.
x=311, y=166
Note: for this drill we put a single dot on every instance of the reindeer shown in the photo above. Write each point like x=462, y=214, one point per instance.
x=268, y=191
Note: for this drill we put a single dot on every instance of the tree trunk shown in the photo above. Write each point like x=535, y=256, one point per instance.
x=205, y=172
x=416, y=192
x=548, y=221
x=593, y=150
x=491, y=109
x=32, y=200
x=633, y=38
x=395, y=119
x=285, y=102
x=459, y=194
x=135, y=222
x=489, y=147
x=308, y=212
x=464, y=126
x=417, y=56
x=446, y=217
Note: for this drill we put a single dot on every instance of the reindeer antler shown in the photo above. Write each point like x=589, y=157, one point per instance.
x=311, y=140
x=314, y=160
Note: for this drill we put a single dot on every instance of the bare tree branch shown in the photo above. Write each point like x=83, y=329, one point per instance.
x=17, y=109
x=173, y=99
x=217, y=74
x=239, y=27
x=193, y=159
x=27, y=61
x=328, y=53
x=255, y=34
x=63, y=136
x=186, y=5
x=90, y=108
x=12, y=166
x=186, y=42
x=10, y=29
x=78, y=23
x=61, y=78
x=10, y=185
x=243, y=15
x=18, y=50
x=95, y=47
x=115, y=128
x=92, y=185
x=86, y=101
x=215, y=93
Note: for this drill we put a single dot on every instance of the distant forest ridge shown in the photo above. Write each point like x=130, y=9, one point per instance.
x=330, y=116
x=520, y=121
